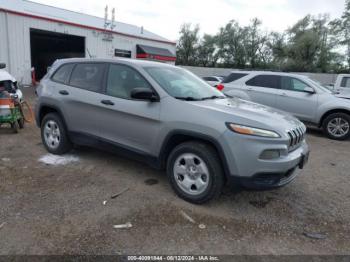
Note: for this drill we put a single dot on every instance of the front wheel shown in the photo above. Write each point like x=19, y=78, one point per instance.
x=195, y=172
x=337, y=126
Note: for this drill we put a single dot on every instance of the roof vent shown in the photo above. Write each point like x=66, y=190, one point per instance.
x=141, y=30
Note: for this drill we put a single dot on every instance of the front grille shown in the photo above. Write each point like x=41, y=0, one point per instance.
x=296, y=137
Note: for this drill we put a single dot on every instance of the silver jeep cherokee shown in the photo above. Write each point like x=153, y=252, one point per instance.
x=171, y=119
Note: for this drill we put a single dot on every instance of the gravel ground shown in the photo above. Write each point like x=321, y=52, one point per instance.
x=58, y=209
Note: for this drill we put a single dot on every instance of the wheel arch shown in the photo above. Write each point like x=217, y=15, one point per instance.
x=46, y=109
x=177, y=137
x=333, y=111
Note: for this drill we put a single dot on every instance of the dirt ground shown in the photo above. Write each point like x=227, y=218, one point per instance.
x=47, y=209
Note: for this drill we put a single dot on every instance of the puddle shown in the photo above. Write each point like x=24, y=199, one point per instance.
x=151, y=182
x=261, y=203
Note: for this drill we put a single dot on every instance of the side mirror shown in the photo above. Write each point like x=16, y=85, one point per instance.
x=2, y=65
x=144, y=94
x=309, y=90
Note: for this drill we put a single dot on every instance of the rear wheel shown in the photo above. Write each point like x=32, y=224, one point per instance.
x=195, y=172
x=54, y=134
x=337, y=126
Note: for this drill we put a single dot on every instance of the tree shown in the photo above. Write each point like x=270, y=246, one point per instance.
x=313, y=44
x=187, y=45
x=278, y=48
x=255, y=43
x=345, y=26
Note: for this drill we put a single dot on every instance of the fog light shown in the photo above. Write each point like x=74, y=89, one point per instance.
x=270, y=154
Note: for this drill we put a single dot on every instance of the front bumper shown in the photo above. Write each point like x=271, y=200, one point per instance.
x=246, y=166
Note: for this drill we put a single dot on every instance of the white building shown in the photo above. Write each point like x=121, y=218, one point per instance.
x=33, y=35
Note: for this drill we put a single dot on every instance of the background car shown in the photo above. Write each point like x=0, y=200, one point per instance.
x=9, y=82
x=342, y=84
x=213, y=80
x=296, y=94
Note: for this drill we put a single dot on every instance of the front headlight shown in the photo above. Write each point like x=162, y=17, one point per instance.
x=253, y=131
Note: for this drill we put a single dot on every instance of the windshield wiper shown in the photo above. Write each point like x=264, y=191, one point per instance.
x=213, y=97
x=187, y=98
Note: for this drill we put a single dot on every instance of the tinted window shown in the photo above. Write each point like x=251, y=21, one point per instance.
x=122, y=79
x=269, y=81
x=88, y=76
x=210, y=79
x=233, y=77
x=345, y=82
x=293, y=84
x=63, y=73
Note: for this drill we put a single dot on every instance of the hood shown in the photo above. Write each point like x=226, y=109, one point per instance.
x=344, y=94
x=5, y=76
x=252, y=114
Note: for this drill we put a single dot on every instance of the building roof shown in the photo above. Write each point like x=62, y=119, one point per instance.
x=41, y=11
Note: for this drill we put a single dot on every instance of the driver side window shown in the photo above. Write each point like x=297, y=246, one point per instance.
x=293, y=84
x=122, y=79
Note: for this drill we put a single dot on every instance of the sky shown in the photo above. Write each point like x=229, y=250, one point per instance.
x=165, y=17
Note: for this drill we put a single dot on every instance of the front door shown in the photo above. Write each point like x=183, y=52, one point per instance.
x=133, y=124
x=293, y=99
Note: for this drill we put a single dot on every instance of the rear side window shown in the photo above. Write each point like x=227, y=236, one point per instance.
x=88, y=76
x=269, y=81
x=63, y=73
x=233, y=77
x=345, y=82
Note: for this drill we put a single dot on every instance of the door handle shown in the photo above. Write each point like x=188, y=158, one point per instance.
x=249, y=89
x=107, y=102
x=283, y=94
x=64, y=92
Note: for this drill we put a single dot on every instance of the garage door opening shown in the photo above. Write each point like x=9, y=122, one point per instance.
x=48, y=46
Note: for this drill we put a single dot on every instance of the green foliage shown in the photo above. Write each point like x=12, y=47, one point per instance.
x=313, y=44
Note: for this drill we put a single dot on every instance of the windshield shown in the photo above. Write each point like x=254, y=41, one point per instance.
x=181, y=84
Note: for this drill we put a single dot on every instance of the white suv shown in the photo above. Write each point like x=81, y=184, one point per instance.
x=303, y=97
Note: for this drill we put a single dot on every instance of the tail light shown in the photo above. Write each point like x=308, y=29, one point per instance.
x=220, y=87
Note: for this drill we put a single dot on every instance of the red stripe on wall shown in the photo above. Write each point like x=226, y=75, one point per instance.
x=156, y=57
x=83, y=26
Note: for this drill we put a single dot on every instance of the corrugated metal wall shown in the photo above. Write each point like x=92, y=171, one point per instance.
x=15, y=42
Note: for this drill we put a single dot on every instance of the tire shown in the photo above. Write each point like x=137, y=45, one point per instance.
x=54, y=134
x=15, y=127
x=21, y=123
x=334, y=121
x=204, y=169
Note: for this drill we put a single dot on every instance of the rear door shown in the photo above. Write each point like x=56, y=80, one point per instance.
x=293, y=99
x=263, y=89
x=80, y=98
x=133, y=124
